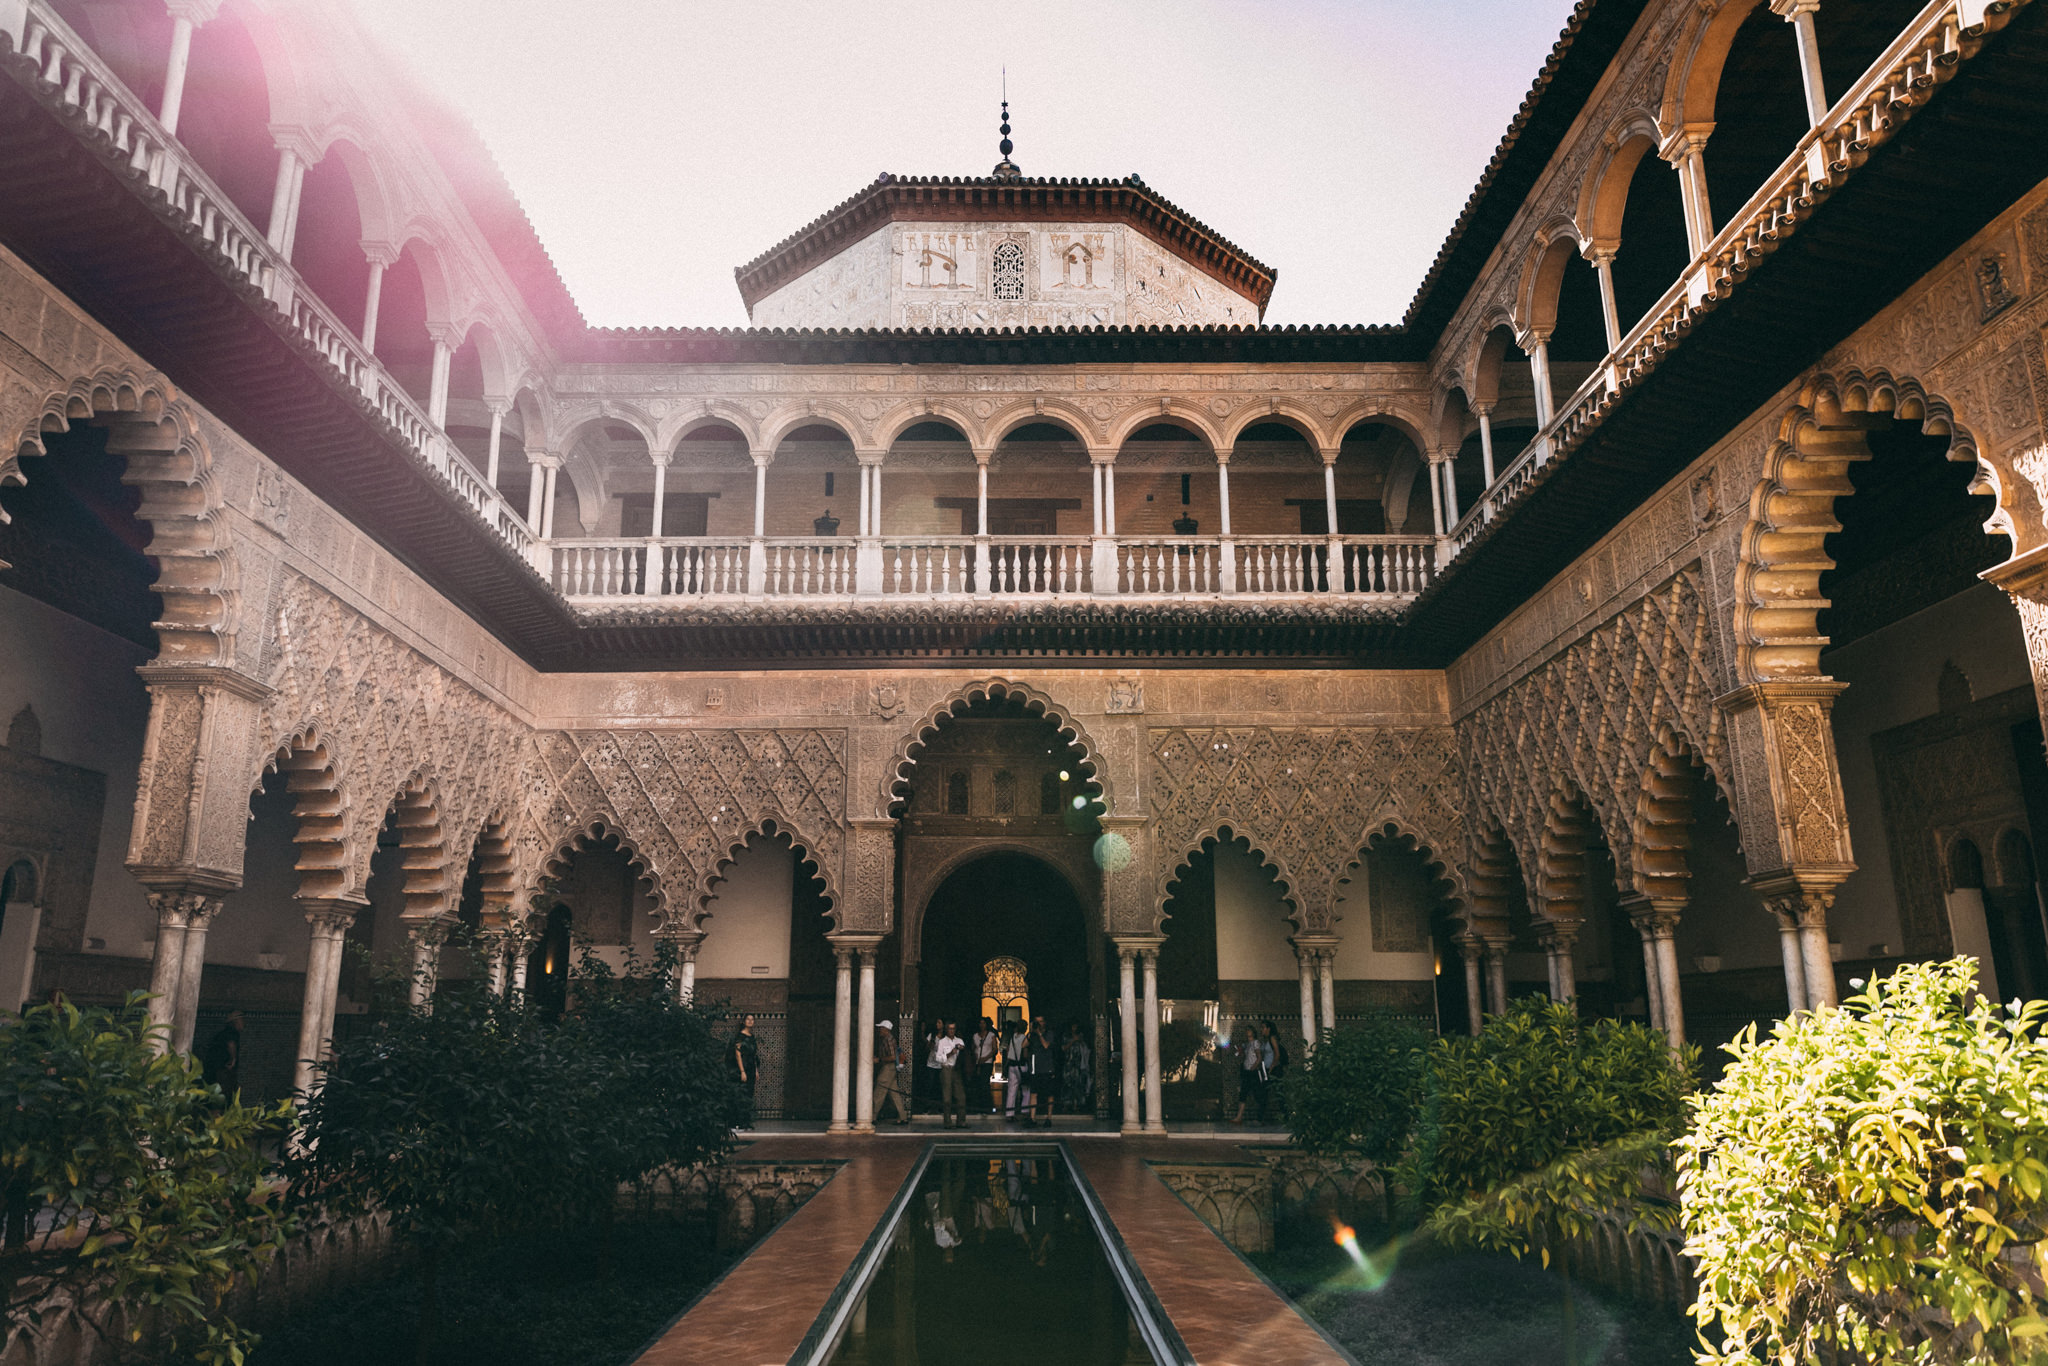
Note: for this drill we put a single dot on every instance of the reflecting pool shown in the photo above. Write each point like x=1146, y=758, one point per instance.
x=996, y=1258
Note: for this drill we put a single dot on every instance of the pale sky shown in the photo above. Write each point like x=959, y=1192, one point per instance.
x=656, y=144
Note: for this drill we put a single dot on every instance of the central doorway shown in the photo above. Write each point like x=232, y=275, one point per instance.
x=1005, y=905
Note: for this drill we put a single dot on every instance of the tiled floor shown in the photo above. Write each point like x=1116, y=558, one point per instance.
x=760, y=1312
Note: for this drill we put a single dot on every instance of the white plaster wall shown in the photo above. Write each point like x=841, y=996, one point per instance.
x=877, y=282
x=95, y=713
x=749, y=924
x=263, y=917
x=1891, y=676
x=1252, y=929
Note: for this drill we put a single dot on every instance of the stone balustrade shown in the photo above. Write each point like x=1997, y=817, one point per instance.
x=620, y=570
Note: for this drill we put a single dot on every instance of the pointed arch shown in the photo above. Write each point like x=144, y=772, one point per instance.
x=769, y=824
x=896, y=777
x=169, y=461
x=1792, y=510
x=1223, y=832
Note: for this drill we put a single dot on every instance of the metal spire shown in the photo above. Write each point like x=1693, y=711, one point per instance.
x=1006, y=169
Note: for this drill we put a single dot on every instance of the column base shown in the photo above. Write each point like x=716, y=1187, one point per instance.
x=864, y=1128
x=1155, y=1128
x=839, y=1128
x=1127, y=1130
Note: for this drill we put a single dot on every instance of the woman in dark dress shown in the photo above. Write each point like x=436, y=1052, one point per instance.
x=743, y=1055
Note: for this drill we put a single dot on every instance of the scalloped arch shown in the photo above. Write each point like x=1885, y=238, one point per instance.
x=168, y=459
x=1443, y=868
x=896, y=780
x=595, y=831
x=1223, y=832
x=1792, y=510
x=769, y=824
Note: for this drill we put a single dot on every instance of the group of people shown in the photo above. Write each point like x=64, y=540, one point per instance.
x=1040, y=1075
x=1261, y=1059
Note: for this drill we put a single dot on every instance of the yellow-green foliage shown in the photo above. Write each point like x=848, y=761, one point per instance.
x=1867, y=1185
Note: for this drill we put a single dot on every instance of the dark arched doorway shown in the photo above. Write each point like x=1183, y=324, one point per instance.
x=1006, y=904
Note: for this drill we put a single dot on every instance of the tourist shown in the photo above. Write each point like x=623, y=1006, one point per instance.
x=1017, y=1073
x=932, y=1094
x=952, y=1087
x=985, y=1044
x=1075, y=1074
x=888, y=1075
x=743, y=1056
x=1045, y=1066
x=1277, y=1064
x=222, y=1057
x=1255, y=1065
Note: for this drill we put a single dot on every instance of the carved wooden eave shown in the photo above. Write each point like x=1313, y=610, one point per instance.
x=894, y=199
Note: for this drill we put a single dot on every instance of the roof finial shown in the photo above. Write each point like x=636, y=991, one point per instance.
x=1006, y=169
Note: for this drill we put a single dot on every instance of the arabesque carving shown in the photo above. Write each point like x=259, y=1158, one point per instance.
x=1307, y=798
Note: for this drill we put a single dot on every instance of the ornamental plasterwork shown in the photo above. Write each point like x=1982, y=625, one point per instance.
x=1308, y=798
x=388, y=718
x=1591, y=717
x=685, y=800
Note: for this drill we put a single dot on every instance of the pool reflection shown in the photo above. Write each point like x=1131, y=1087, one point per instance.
x=994, y=1262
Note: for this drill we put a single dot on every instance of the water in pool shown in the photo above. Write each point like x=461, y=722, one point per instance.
x=994, y=1262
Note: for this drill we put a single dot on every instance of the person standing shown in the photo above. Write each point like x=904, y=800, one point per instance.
x=743, y=1056
x=952, y=1087
x=1017, y=1072
x=1045, y=1068
x=222, y=1057
x=1075, y=1074
x=888, y=1077
x=1276, y=1062
x=985, y=1043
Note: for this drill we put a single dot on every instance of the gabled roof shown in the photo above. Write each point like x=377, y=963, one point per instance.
x=898, y=198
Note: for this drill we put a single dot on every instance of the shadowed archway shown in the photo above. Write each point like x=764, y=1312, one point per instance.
x=1010, y=904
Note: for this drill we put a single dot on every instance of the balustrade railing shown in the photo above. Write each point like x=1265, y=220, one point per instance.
x=962, y=567
x=67, y=72
x=1926, y=54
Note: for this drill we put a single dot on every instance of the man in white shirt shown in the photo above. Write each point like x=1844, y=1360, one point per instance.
x=952, y=1090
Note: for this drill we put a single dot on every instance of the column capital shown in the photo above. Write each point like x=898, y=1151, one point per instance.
x=1655, y=917
x=1137, y=943
x=1601, y=253
x=764, y=458
x=546, y=460
x=660, y=459
x=868, y=457
x=331, y=914
x=184, y=905
x=1799, y=897
x=1529, y=338
x=862, y=941
x=983, y=456
x=194, y=12
x=1479, y=409
x=1557, y=936
x=1314, y=943
x=445, y=334
x=1328, y=454
x=1107, y=456
x=429, y=933
x=497, y=404
x=1790, y=10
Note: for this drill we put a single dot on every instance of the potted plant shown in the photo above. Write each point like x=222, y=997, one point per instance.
x=828, y=525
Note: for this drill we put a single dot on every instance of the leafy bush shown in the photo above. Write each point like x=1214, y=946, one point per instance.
x=151, y=1182
x=1357, y=1091
x=1853, y=1183
x=480, y=1116
x=1541, y=1122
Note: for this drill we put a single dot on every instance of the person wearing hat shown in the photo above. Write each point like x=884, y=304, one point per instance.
x=887, y=1085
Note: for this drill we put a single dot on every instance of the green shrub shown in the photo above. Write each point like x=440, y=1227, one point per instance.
x=481, y=1116
x=126, y=1178
x=1851, y=1185
x=1540, y=1123
x=1357, y=1091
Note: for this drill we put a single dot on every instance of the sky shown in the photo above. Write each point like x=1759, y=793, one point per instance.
x=657, y=144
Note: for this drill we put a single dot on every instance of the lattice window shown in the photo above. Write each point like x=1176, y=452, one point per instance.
x=1006, y=792
x=1008, y=271
x=956, y=794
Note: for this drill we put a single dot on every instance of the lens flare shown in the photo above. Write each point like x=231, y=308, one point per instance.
x=1374, y=1269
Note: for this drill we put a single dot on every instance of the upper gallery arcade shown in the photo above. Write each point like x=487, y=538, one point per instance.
x=1580, y=617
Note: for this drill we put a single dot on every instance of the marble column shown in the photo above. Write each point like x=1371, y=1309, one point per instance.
x=1557, y=939
x=191, y=966
x=167, y=963
x=1155, y=1104
x=1127, y=997
x=1656, y=922
x=1472, y=953
x=1305, y=960
x=864, y=1041
x=1497, y=976
x=1484, y=412
x=1326, y=976
x=329, y=919
x=1799, y=14
x=1603, y=267
x=426, y=939
x=842, y=1039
